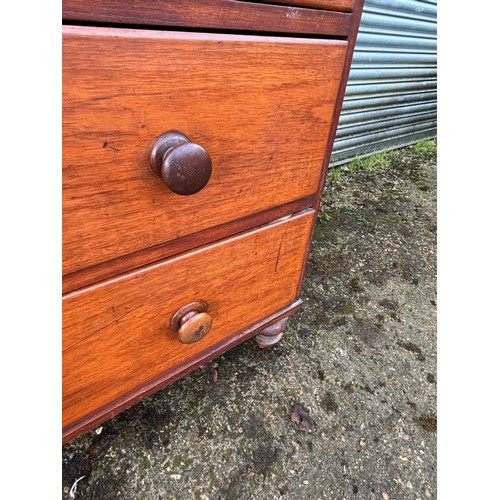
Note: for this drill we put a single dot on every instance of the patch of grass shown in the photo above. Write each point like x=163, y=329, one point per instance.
x=361, y=218
x=423, y=149
x=426, y=147
x=369, y=163
x=324, y=217
x=334, y=174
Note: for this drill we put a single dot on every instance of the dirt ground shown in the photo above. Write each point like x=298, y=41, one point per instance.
x=344, y=407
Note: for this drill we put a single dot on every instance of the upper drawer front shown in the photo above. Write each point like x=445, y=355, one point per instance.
x=260, y=106
x=341, y=5
x=336, y=20
x=116, y=335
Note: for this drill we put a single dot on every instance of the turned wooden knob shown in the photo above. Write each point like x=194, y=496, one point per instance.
x=184, y=166
x=191, y=322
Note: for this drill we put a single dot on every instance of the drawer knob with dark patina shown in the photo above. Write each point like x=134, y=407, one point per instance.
x=191, y=322
x=185, y=166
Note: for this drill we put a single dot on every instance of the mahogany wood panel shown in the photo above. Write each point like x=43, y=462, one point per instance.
x=341, y=5
x=212, y=14
x=116, y=336
x=150, y=255
x=261, y=107
x=140, y=392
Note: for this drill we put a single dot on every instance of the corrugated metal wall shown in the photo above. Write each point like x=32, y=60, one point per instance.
x=391, y=94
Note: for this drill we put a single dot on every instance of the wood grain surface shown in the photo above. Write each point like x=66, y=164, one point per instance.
x=138, y=393
x=119, y=265
x=116, y=336
x=211, y=14
x=340, y=5
x=261, y=107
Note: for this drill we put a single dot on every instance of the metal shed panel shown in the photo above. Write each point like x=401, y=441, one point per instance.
x=391, y=94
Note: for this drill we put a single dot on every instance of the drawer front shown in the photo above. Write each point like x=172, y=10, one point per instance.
x=260, y=106
x=116, y=336
x=340, y=5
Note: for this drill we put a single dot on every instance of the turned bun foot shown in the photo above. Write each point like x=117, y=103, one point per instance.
x=272, y=334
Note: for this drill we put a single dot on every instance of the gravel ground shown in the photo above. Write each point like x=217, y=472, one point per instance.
x=344, y=407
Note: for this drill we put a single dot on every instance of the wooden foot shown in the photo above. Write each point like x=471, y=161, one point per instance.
x=272, y=334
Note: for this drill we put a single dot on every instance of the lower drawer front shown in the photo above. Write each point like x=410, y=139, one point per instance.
x=117, y=335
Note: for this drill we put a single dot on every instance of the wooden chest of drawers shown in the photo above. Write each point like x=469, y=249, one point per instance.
x=196, y=140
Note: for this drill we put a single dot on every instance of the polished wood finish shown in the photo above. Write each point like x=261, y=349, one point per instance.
x=117, y=336
x=192, y=322
x=247, y=99
x=194, y=327
x=184, y=166
x=210, y=14
x=340, y=5
x=111, y=408
x=135, y=260
x=158, y=282
x=272, y=334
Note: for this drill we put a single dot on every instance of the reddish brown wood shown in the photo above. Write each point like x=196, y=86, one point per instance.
x=212, y=14
x=194, y=327
x=138, y=393
x=340, y=5
x=184, y=166
x=266, y=110
x=138, y=259
x=116, y=336
x=247, y=99
x=191, y=322
x=272, y=334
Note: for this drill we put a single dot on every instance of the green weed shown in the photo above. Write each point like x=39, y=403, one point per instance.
x=369, y=163
x=334, y=174
x=361, y=218
x=324, y=217
x=426, y=147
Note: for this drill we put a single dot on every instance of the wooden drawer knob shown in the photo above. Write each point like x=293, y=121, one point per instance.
x=184, y=166
x=191, y=322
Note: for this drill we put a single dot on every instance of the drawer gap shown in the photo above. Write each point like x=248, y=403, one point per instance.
x=216, y=31
x=87, y=277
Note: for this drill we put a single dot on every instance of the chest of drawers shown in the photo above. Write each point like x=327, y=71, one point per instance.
x=196, y=141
